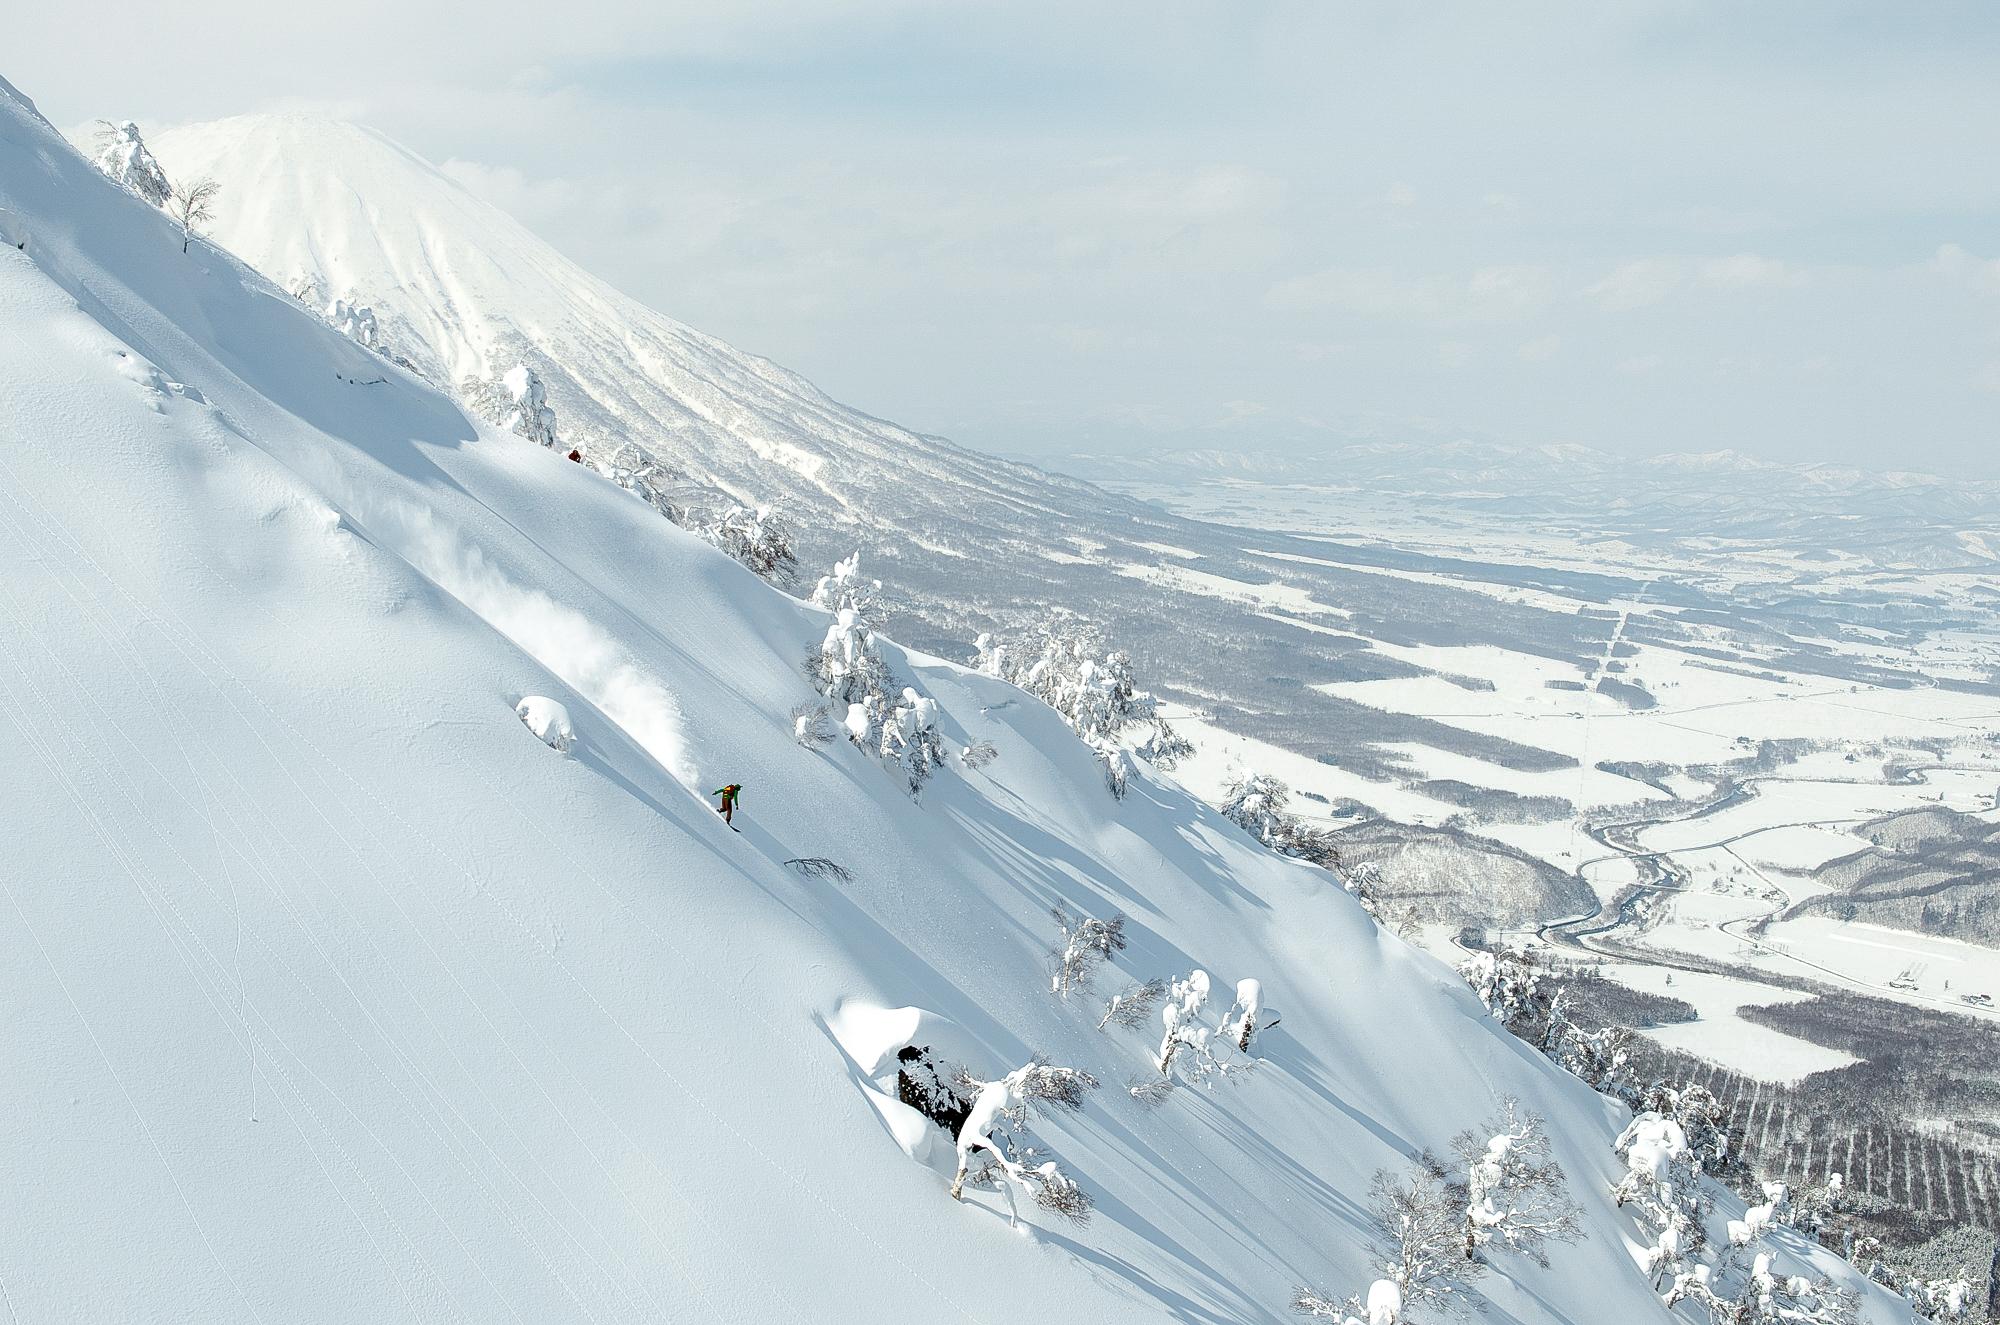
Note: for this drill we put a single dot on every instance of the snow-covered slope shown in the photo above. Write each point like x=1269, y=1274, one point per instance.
x=332, y=993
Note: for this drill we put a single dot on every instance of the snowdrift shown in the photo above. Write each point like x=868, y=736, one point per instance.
x=333, y=993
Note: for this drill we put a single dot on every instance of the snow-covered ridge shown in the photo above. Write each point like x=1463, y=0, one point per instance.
x=339, y=995
x=462, y=290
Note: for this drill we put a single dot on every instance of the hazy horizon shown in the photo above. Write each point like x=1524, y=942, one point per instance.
x=1678, y=227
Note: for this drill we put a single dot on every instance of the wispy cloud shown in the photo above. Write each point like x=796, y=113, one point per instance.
x=1642, y=282
x=1489, y=294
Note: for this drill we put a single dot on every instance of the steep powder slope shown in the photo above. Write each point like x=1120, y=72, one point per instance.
x=334, y=994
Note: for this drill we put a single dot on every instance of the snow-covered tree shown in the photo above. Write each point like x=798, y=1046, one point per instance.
x=355, y=321
x=1525, y=998
x=1092, y=687
x=191, y=206
x=850, y=672
x=1517, y=1198
x=1940, y=1299
x=1815, y=1206
x=1239, y=1024
x=842, y=589
x=1752, y=1291
x=760, y=539
x=1421, y=1215
x=1083, y=944
x=1256, y=803
x=995, y=1126
x=910, y=738
x=122, y=154
x=1364, y=883
x=1259, y=805
x=1703, y=1121
x=1663, y=1183
x=638, y=471
x=531, y=416
x=1600, y=1058
x=1198, y=1049
x=1511, y=985
x=1181, y=1016
x=848, y=669
x=1776, y=1208
x=1118, y=769
x=514, y=402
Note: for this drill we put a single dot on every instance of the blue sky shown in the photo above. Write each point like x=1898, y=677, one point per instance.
x=1043, y=227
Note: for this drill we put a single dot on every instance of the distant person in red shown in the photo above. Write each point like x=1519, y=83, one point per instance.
x=728, y=807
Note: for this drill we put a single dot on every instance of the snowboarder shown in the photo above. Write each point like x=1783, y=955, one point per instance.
x=728, y=807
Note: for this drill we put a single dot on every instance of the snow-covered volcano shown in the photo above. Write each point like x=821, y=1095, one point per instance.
x=461, y=289
x=333, y=993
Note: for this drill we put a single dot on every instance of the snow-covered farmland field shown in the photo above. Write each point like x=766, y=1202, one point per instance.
x=1692, y=766
x=1720, y=1033
x=1939, y=970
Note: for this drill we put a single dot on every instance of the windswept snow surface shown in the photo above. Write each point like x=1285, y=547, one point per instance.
x=331, y=994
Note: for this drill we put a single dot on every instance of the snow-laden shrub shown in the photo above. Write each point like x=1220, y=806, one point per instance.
x=932, y=1087
x=758, y=538
x=1383, y=1305
x=1517, y=1197
x=996, y=1127
x=1132, y=1006
x=122, y=154
x=1419, y=1215
x=1181, y=1017
x=548, y=720
x=1758, y=1220
x=858, y=723
x=809, y=726
x=1083, y=944
x=820, y=867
